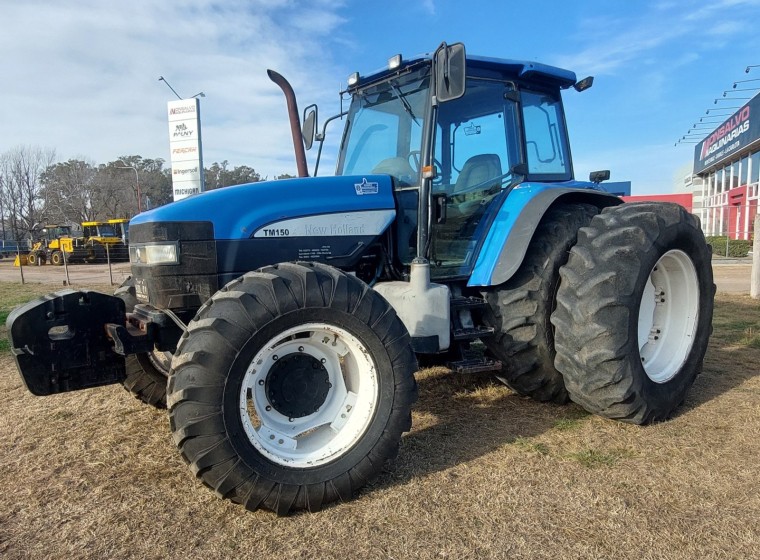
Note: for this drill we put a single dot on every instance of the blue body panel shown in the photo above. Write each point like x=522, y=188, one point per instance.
x=237, y=212
x=503, y=225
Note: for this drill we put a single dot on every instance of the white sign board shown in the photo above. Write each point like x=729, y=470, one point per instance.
x=185, y=147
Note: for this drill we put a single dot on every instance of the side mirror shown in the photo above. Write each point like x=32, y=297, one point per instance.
x=309, y=127
x=450, y=70
x=599, y=176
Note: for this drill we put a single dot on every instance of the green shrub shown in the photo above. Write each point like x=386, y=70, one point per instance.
x=736, y=247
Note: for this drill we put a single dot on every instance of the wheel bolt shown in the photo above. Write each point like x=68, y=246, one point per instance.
x=268, y=408
x=275, y=358
x=261, y=381
x=323, y=360
x=290, y=419
x=300, y=348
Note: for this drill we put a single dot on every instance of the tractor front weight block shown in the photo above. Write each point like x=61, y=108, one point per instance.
x=61, y=343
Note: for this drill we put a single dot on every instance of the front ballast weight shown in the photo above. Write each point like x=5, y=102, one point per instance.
x=57, y=345
x=71, y=340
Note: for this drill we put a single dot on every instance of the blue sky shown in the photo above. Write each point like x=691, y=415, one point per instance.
x=83, y=77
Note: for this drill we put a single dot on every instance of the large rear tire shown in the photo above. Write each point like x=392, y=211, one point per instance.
x=520, y=309
x=148, y=373
x=634, y=312
x=291, y=388
x=96, y=253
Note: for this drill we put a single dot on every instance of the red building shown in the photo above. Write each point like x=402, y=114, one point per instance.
x=685, y=200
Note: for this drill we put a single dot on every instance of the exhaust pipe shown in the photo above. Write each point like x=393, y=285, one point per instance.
x=295, y=121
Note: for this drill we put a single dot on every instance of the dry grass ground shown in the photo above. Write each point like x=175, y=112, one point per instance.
x=484, y=473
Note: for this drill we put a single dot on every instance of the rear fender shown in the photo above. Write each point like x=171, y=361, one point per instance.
x=513, y=227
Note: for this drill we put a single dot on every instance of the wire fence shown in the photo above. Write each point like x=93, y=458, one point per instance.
x=13, y=269
x=729, y=228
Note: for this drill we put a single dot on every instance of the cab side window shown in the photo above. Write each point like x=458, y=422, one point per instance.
x=545, y=142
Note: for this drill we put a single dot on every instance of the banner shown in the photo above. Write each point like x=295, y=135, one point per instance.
x=735, y=133
x=185, y=147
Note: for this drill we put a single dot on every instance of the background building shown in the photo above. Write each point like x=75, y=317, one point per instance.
x=726, y=173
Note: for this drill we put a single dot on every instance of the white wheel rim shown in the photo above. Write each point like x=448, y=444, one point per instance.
x=668, y=316
x=339, y=422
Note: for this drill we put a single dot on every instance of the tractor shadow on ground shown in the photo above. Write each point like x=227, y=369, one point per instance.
x=460, y=418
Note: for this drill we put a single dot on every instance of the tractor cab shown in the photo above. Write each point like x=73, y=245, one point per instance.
x=52, y=232
x=457, y=134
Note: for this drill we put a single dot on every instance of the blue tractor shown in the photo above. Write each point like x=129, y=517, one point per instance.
x=280, y=322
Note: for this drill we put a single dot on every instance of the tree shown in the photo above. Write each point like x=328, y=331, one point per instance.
x=22, y=168
x=218, y=175
x=68, y=190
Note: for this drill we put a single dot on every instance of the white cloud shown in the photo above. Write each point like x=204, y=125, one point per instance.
x=83, y=77
x=617, y=43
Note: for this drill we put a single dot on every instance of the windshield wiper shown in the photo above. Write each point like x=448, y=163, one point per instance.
x=405, y=103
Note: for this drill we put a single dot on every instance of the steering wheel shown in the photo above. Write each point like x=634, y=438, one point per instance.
x=414, y=160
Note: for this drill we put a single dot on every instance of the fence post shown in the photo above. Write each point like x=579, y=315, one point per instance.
x=754, y=287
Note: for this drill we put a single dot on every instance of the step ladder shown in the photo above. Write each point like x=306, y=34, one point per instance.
x=464, y=332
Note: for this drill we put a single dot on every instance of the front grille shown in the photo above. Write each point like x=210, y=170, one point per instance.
x=177, y=286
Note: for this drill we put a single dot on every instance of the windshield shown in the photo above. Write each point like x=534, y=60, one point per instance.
x=384, y=130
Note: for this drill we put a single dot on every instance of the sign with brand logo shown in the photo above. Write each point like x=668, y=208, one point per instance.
x=735, y=133
x=185, y=150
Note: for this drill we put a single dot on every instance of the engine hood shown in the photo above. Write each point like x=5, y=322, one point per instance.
x=238, y=212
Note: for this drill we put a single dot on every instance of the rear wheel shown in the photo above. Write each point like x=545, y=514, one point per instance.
x=96, y=253
x=634, y=312
x=520, y=309
x=147, y=373
x=291, y=388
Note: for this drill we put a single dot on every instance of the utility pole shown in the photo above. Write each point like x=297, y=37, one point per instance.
x=754, y=287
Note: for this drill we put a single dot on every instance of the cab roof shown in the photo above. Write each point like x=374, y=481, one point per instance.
x=487, y=67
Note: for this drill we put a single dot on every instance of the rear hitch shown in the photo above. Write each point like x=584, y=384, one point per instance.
x=60, y=344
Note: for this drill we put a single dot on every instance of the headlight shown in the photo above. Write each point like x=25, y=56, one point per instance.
x=154, y=254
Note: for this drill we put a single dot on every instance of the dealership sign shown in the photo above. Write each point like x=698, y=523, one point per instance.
x=185, y=147
x=737, y=132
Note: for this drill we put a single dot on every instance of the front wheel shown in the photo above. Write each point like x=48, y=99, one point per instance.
x=291, y=388
x=634, y=311
x=56, y=258
x=35, y=258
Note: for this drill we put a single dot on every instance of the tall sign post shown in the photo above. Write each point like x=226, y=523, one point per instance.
x=185, y=147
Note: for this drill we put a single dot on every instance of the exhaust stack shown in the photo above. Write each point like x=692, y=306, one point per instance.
x=295, y=121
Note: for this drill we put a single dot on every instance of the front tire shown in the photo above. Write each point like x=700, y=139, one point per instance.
x=634, y=311
x=35, y=258
x=520, y=309
x=56, y=258
x=291, y=388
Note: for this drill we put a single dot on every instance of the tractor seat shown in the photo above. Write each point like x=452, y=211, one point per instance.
x=399, y=168
x=476, y=170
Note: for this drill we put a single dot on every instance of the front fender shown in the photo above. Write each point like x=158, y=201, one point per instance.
x=516, y=221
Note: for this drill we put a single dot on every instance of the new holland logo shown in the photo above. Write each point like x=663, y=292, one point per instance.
x=366, y=188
